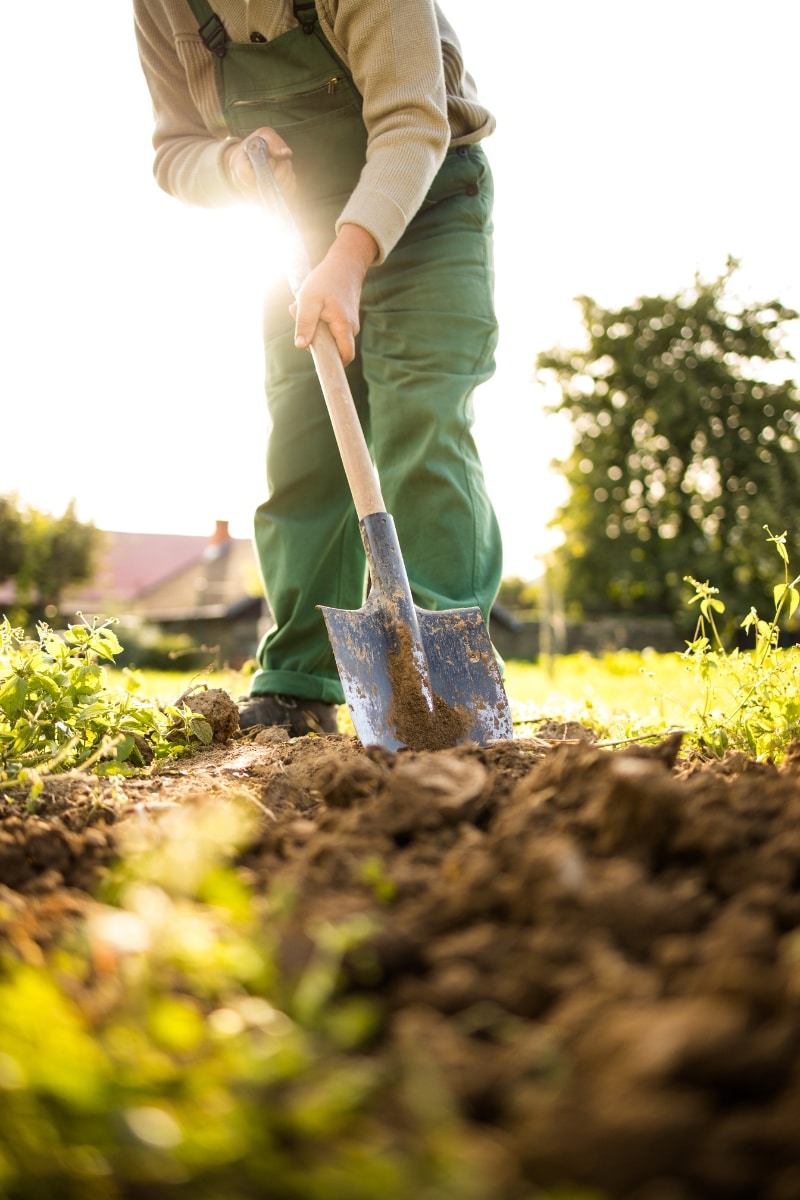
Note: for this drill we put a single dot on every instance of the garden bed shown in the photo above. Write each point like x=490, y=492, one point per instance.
x=581, y=965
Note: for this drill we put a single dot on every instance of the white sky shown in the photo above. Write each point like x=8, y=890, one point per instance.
x=637, y=143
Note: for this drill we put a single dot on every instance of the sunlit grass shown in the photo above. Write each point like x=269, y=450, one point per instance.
x=621, y=695
x=167, y=686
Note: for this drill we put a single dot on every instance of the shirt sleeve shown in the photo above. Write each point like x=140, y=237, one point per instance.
x=188, y=138
x=394, y=53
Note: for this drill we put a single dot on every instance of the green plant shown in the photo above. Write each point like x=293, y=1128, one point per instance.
x=161, y=1049
x=373, y=873
x=623, y=696
x=520, y=595
x=58, y=713
x=750, y=700
x=147, y=648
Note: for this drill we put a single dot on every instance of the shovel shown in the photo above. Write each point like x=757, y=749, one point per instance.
x=411, y=678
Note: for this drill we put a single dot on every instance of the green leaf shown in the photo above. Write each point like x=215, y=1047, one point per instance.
x=56, y=647
x=12, y=696
x=101, y=709
x=201, y=729
x=44, y=683
x=78, y=635
x=124, y=748
x=87, y=678
x=708, y=602
x=779, y=541
x=105, y=643
x=784, y=592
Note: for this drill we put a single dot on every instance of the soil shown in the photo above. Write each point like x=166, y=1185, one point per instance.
x=596, y=950
x=420, y=724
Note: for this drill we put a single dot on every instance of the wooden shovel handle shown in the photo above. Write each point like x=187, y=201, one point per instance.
x=359, y=469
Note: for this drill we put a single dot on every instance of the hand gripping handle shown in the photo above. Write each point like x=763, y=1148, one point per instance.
x=358, y=466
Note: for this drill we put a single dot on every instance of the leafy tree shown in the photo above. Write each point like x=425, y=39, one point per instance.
x=12, y=538
x=519, y=595
x=686, y=438
x=45, y=554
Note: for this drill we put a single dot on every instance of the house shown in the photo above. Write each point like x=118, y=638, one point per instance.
x=206, y=588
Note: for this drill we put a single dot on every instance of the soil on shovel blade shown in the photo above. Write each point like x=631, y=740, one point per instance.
x=597, y=950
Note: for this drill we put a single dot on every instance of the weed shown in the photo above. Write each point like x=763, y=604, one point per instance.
x=750, y=700
x=58, y=713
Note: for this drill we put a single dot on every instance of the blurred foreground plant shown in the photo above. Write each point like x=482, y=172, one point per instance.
x=57, y=711
x=750, y=700
x=161, y=1051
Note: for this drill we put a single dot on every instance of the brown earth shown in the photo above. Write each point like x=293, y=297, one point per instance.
x=596, y=950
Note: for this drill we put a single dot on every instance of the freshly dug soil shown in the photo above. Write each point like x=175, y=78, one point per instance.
x=596, y=952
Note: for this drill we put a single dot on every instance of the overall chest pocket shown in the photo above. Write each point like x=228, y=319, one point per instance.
x=296, y=86
x=290, y=83
x=315, y=102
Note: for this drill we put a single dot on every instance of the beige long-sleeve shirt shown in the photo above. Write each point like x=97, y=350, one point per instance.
x=405, y=60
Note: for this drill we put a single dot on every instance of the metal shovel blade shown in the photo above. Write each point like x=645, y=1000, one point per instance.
x=412, y=678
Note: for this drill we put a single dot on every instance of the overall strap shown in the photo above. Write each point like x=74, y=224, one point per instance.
x=305, y=12
x=211, y=29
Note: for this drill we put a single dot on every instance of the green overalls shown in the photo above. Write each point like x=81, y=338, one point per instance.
x=428, y=336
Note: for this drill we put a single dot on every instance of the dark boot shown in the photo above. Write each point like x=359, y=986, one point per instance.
x=292, y=713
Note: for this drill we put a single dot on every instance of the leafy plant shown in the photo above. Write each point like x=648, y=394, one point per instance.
x=58, y=713
x=750, y=700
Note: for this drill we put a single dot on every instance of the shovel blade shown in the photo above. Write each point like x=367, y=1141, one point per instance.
x=449, y=693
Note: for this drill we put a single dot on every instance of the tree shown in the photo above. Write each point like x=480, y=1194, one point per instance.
x=686, y=438
x=44, y=554
x=519, y=595
x=12, y=538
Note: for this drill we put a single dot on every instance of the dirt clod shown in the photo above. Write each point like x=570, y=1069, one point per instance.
x=218, y=709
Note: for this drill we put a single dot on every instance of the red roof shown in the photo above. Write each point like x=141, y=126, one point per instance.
x=132, y=563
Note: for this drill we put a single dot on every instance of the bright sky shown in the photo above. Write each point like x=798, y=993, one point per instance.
x=637, y=143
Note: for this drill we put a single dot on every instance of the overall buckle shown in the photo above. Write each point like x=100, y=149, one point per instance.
x=214, y=36
x=306, y=18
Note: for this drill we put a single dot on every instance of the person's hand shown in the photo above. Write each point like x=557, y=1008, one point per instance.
x=240, y=169
x=332, y=292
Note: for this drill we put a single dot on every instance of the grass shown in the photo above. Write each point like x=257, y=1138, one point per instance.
x=723, y=699
x=622, y=695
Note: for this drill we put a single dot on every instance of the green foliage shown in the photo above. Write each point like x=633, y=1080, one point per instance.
x=372, y=872
x=519, y=595
x=723, y=699
x=161, y=1051
x=750, y=701
x=147, y=647
x=686, y=444
x=44, y=554
x=57, y=711
x=622, y=696
x=12, y=538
